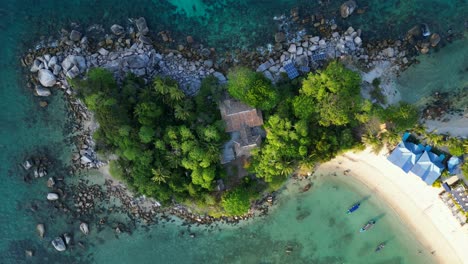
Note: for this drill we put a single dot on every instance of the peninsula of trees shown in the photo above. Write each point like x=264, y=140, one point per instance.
x=168, y=144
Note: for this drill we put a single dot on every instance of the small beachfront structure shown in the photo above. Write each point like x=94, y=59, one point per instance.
x=418, y=160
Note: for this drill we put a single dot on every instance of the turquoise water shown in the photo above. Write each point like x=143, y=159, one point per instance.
x=312, y=224
x=442, y=71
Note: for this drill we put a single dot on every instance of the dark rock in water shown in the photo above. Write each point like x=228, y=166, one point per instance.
x=205, y=52
x=280, y=37
x=75, y=35
x=46, y=78
x=117, y=29
x=43, y=104
x=347, y=8
x=59, y=244
x=414, y=32
x=68, y=238
x=145, y=40
x=435, y=39
x=141, y=26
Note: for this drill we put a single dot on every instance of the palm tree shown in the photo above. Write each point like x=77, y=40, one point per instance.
x=420, y=129
x=374, y=142
x=159, y=175
x=434, y=139
x=465, y=145
x=391, y=137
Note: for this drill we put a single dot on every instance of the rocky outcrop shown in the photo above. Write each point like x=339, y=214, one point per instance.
x=84, y=228
x=41, y=91
x=59, y=244
x=435, y=39
x=141, y=26
x=75, y=35
x=347, y=8
x=117, y=29
x=52, y=196
x=73, y=65
x=46, y=78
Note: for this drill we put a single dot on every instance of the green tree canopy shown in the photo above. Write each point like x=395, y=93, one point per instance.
x=333, y=94
x=236, y=201
x=252, y=88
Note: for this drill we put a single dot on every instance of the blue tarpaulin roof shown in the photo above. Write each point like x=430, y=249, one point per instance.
x=291, y=71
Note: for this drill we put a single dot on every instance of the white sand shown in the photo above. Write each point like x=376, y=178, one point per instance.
x=455, y=126
x=417, y=204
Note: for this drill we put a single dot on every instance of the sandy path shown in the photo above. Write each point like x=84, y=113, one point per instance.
x=417, y=204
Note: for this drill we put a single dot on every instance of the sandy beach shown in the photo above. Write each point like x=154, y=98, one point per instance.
x=417, y=204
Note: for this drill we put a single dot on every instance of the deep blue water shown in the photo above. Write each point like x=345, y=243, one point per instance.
x=28, y=129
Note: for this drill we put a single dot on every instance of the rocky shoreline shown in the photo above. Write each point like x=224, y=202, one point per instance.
x=132, y=49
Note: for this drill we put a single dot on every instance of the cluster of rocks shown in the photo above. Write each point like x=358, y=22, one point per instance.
x=312, y=51
x=422, y=39
x=438, y=107
x=85, y=197
x=121, y=52
x=136, y=207
x=35, y=167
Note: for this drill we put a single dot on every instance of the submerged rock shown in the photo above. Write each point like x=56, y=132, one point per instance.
x=59, y=244
x=280, y=37
x=68, y=238
x=117, y=29
x=141, y=26
x=46, y=78
x=52, y=196
x=29, y=253
x=84, y=228
x=435, y=39
x=347, y=8
x=41, y=91
x=40, y=228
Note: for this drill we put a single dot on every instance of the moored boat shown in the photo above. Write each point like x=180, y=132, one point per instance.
x=367, y=226
x=380, y=247
x=353, y=208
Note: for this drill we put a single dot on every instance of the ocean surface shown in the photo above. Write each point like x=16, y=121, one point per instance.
x=311, y=226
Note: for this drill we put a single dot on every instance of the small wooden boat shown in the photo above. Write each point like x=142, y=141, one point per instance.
x=380, y=247
x=353, y=208
x=367, y=226
x=307, y=187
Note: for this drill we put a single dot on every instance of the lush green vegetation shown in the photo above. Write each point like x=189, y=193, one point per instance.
x=169, y=142
x=252, y=88
x=236, y=201
x=465, y=170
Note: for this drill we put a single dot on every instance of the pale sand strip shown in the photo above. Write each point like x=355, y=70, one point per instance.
x=417, y=204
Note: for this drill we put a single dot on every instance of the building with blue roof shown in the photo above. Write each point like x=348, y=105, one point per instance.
x=405, y=155
x=453, y=165
x=429, y=166
x=417, y=159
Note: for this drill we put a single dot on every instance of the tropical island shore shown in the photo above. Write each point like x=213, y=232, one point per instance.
x=416, y=203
